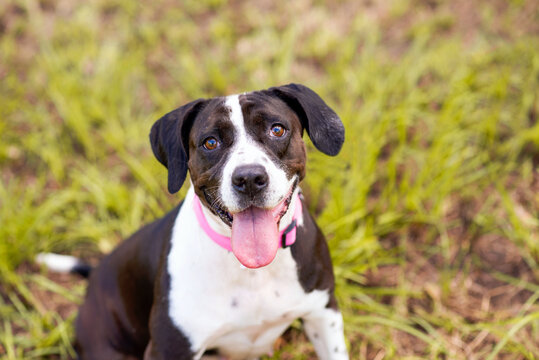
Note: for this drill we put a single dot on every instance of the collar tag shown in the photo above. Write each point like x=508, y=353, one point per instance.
x=286, y=240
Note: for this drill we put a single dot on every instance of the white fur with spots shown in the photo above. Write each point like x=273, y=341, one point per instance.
x=324, y=328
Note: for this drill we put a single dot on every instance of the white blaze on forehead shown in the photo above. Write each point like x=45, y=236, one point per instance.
x=246, y=151
x=236, y=116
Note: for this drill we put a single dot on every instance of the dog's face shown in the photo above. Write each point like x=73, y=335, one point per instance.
x=245, y=155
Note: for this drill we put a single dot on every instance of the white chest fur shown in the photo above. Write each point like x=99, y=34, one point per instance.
x=218, y=303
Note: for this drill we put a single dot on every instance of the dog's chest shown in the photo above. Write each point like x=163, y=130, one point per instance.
x=217, y=303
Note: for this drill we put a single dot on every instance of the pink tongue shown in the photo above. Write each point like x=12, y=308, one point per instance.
x=255, y=237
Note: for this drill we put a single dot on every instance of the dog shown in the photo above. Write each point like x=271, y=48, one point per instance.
x=228, y=270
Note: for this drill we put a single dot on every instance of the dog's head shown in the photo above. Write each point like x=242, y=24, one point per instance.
x=245, y=155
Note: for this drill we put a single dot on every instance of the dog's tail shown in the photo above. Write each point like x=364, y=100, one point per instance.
x=64, y=264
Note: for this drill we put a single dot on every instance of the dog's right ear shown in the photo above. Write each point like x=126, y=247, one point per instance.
x=170, y=143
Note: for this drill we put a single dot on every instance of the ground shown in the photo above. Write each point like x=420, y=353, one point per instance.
x=431, y=210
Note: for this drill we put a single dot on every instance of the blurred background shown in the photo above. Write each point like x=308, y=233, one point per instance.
x=431, y=210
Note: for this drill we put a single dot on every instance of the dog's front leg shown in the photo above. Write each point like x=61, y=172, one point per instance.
x=324, y=328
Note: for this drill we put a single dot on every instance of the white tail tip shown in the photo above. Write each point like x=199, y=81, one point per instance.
x=57, y=262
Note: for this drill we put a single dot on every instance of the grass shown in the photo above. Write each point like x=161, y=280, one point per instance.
x=431, y=210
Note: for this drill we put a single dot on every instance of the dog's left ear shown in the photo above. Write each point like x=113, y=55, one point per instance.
x=170, y=143
x=322, y=124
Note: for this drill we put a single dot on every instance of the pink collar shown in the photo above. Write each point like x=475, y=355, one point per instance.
x=288, y=235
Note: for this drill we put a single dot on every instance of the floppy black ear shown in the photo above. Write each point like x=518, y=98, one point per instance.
x=322, y=124
x=169, y=139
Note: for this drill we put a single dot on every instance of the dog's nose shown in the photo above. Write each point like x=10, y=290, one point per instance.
x=250, y=179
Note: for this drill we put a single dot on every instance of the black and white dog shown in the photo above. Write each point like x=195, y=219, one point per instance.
x=229, y=269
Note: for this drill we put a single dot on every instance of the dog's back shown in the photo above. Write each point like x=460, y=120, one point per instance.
x=120, y=295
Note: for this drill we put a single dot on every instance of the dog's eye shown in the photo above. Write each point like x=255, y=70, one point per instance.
x=277, y=130
x=211, y=143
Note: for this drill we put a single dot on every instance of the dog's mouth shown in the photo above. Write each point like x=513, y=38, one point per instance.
x=255, y=230
x=219, y=209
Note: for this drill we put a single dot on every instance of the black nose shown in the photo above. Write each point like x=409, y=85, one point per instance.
x=250, y=179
